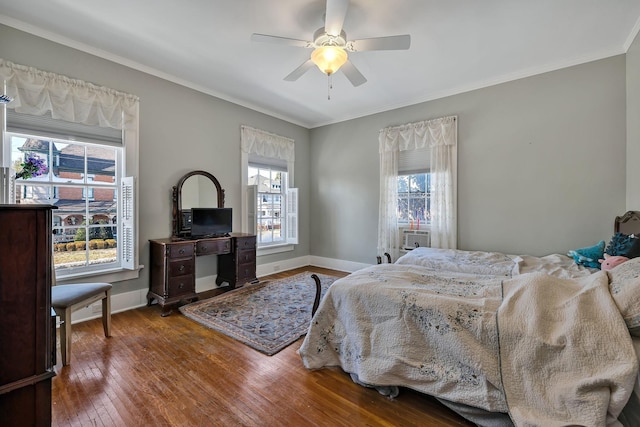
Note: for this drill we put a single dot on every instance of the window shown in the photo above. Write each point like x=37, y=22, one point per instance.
x=82, y=180
x=414, y=199
x=270, y=188
x=83, y=153
x=270, y=209
x=418, y=167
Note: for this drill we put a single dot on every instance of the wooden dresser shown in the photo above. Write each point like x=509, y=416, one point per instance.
x=173, y=264
x=27, y=334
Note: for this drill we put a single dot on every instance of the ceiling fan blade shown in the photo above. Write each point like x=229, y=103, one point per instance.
x=351, y=72
x=298, y=72
x=280, y=40
x=334, y=16
x=380, y=43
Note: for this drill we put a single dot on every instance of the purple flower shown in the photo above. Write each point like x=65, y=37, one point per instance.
x=33, y=166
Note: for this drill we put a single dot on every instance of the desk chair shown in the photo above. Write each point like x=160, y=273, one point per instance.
x=67, y=298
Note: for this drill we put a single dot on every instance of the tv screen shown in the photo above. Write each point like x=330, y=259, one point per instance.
x=210, y=222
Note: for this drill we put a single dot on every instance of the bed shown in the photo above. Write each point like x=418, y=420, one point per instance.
x=500, y=339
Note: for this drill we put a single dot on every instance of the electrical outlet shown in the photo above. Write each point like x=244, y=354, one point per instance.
x=96, y=308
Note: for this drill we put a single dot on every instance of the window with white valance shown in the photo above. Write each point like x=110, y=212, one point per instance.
x=270, y=208
x=86, y=138
x=427, y=145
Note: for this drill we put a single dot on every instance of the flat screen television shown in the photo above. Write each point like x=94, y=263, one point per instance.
x=210, y=222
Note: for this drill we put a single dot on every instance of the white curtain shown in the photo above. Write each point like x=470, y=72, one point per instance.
x=265, y=144
x=39, y=92
x=440, y=136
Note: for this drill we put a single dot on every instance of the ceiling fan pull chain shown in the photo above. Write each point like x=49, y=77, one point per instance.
x=329, y=87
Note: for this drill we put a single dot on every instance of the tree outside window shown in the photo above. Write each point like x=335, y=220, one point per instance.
x=414, y=198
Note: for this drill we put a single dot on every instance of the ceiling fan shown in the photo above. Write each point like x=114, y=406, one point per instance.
x=331, y=45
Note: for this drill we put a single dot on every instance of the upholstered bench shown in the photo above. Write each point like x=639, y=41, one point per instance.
x=67, y=298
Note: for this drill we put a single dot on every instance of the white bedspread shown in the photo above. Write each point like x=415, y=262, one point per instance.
x=493, y=263
x=552, y=350
x=472, y=262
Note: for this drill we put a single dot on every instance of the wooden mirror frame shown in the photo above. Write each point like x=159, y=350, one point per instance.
x=178, y=228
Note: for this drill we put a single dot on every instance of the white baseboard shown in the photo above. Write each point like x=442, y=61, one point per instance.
x=138, y=298
x=336, y=264
x=119, y=302
x=278, y=266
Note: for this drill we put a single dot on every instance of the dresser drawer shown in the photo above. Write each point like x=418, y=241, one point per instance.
x=181, y=285
x=206, y=247
x=248, y=242
x=245, y=257
x=184, y=250
x=180, y=267
x=246, y=273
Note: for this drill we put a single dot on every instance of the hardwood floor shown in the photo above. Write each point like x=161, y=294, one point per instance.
x=170, y=371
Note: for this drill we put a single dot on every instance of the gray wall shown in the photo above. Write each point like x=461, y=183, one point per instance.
x=633, y=125
x=541, y=160
x=180, y=130
x=541, y=165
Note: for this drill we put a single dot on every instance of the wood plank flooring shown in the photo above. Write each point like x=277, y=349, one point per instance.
x=171, y=371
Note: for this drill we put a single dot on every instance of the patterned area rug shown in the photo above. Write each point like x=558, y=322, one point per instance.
x=268, y=316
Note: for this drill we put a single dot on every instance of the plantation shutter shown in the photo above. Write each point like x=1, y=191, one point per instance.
x=252, y=196
x=127, y=206
x=292, y=216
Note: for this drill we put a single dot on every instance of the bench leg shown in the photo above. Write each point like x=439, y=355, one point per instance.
x=65, y=336
x=106, y=313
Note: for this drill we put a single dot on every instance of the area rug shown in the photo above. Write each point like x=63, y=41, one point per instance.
x=267, y=316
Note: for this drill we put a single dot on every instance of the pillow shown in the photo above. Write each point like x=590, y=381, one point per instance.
x=624, y=245
x=624, y=285
x=588, y=256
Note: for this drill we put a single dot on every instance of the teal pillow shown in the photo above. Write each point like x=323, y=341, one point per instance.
x=624, y=245
x=590, y=255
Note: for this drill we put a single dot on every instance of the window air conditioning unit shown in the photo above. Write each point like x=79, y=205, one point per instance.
x=416, y=238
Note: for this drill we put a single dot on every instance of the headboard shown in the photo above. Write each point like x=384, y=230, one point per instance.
x=629, y=223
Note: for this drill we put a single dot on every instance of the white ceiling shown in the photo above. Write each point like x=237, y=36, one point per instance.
x=456, y=45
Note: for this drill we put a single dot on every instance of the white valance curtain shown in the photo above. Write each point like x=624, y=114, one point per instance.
x=39, y=92
x=440, y=136
x=265, y=144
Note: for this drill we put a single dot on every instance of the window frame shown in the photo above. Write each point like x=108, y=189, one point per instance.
x=404, y=224
x=112, y=272
x=289, y=211
x=282, y=194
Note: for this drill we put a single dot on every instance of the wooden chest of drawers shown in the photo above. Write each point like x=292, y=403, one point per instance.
x=172, y=276
x=239, y=266
x=173, y=263
x=27, y=332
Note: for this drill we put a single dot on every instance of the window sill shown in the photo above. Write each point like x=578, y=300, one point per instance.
x=118, y=275
x=275, y=249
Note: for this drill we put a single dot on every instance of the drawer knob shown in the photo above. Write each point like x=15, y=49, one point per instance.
x=181, y=268
x=204, y=247
x=181, y=285
x=181, y=251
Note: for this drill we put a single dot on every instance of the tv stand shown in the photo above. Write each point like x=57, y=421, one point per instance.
x=172, y=279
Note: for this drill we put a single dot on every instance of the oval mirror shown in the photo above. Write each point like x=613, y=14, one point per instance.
x=199, y=192
x=196, y=189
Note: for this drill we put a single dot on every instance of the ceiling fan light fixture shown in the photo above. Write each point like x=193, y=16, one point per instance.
x=329, y=59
